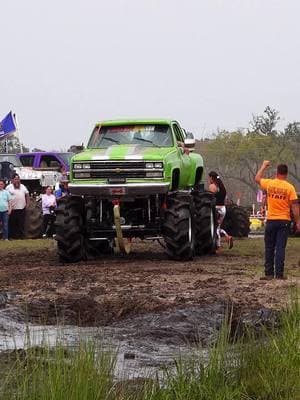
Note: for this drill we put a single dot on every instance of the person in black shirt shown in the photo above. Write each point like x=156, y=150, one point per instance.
x=217, y=187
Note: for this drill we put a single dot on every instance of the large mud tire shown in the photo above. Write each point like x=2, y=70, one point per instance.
x=205, y=223
x=33, y=220
x=178, y=229
x=69, y=229
x=236, y=222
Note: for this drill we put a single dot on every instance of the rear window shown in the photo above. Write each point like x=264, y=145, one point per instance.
x=144, y=135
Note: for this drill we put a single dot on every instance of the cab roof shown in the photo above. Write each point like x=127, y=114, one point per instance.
x=118, y=122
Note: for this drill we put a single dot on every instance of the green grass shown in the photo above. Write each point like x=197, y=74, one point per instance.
x=30, y=244
x=238, y=368
x=242, y=247
x=44, y=373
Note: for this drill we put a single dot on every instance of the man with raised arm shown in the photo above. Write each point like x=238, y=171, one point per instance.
x=281, y=200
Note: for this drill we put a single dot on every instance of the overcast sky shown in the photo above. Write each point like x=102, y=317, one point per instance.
x=210, y=64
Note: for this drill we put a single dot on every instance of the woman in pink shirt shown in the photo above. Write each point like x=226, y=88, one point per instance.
x=48, y=207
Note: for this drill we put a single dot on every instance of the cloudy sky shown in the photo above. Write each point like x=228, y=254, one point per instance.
x=210, y=64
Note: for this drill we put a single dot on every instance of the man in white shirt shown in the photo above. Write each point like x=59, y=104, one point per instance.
x=20, y=200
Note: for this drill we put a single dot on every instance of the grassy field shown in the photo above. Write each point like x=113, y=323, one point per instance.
x=20, y=245
x=242, y=247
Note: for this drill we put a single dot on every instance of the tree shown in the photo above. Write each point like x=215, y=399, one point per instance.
x=13, y=144
x=290, y=141
x=265, y=124
x=238, y=155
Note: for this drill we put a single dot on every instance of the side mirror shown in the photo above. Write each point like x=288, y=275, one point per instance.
x=189, y=141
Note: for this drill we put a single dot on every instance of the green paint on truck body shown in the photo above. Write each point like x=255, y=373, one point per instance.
x=110, y=135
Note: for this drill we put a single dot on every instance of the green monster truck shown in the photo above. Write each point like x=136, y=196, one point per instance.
x=136, y=179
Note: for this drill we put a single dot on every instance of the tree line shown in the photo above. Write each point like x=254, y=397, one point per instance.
x=237, y=155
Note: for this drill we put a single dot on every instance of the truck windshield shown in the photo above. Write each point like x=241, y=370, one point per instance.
x=144, y=135
x=12, y=158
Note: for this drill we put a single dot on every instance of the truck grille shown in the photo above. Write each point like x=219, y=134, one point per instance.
x=116, y=174
x=115, y=171
x=118, y=164
x=118, y=169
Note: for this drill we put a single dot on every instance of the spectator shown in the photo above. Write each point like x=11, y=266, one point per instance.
x=282, y=198
x=63, y=175
x=5, y=209
x=217, y=187
x=20, y=200
x=62, y=190
x=48, y=208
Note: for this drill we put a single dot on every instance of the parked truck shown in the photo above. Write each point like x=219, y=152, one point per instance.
x=136, y=179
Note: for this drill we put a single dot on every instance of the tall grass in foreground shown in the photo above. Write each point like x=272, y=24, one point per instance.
x=247, y=368
x=44, y=373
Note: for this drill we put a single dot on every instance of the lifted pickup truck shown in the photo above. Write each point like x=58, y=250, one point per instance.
x=136, y=179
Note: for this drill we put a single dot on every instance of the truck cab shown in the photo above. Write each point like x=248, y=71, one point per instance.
x=53, y=161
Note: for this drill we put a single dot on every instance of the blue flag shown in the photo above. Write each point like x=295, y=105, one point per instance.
x=7, y=126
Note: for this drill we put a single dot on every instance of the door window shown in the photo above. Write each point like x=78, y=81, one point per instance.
x=178, y=134
x=49, y=162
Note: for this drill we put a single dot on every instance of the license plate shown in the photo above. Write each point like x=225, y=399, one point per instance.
x=118, y=191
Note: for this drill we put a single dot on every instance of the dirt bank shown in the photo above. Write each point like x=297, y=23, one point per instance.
x=103, y=291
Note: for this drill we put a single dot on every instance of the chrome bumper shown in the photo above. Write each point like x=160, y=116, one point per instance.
x=115, y=190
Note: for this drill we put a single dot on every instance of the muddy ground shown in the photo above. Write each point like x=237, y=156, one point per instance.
x=103, y=291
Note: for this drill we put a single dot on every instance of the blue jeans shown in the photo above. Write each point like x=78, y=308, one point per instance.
x=276, y=235
x=4, y=221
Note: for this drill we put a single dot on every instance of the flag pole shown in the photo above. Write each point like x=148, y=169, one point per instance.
x=17, y=132
x=6, y=146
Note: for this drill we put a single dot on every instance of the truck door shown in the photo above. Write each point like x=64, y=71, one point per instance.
x=185, y=161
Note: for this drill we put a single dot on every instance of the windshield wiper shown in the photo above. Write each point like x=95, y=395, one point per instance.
x=146, y=140
x=111, y=140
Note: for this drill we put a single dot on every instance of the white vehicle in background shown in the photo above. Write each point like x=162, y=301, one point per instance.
x=35, y=181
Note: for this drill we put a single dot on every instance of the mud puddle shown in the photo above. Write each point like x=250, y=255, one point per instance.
x=143, y=343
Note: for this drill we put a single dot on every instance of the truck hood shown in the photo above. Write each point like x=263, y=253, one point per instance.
x=125, y=152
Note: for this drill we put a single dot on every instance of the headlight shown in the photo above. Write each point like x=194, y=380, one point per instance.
x=154, y=174
x=82, y=175
x=154, y=164
x=86, y=166
x=77, y=166
x=149, y=165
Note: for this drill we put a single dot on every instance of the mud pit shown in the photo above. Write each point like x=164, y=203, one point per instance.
x=103, y=291
x=149, y=306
